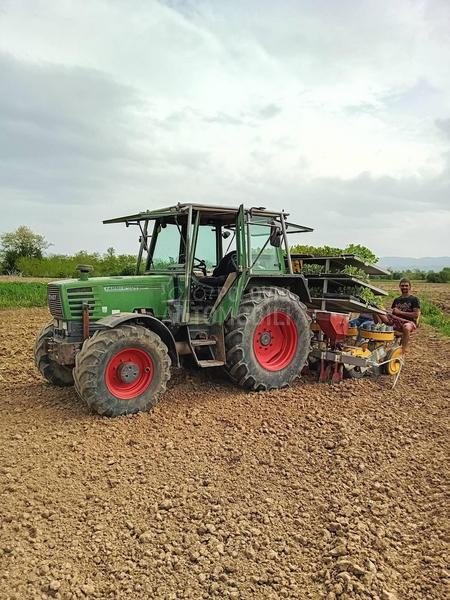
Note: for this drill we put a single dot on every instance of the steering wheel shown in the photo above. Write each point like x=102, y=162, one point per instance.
x=200, y=265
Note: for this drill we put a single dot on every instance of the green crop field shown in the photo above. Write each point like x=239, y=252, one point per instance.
x=15, y=294
x=434, y=316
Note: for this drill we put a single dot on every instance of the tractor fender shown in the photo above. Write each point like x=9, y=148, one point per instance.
x=149, y=322
x=297, y=284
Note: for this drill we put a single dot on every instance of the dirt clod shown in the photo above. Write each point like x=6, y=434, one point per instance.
x=54, y=585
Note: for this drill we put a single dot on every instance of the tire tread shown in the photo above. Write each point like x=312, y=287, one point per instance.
x=87, y=362
x=237, y=366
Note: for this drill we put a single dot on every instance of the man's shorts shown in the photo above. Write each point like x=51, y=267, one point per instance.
x=398, y=325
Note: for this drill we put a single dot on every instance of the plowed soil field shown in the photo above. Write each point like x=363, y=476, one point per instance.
x=317, y=491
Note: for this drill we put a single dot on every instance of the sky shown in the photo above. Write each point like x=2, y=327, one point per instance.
x=338, y=112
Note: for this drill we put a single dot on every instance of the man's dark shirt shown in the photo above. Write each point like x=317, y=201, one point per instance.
x=406, y=304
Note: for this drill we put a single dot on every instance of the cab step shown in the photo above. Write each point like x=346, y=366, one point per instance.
x=207, y=345
x=203, y=342
x=210, y=363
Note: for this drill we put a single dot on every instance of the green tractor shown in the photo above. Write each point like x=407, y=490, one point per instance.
x=212, y=283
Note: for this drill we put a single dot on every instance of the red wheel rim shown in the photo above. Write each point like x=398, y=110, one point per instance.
x=129, y=373
x=275, y=341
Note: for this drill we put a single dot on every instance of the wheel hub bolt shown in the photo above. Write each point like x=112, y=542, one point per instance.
x=128, y=372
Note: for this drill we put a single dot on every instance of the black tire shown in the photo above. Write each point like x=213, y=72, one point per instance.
x=355, y=373
x=242, y=364
x=93, y=363
x=52, y=371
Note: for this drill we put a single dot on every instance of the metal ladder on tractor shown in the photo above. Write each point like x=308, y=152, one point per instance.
x=207, y=344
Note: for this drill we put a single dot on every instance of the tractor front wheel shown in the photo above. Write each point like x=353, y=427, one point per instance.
x=122, y=371
x=52, y=371
x=268, y=343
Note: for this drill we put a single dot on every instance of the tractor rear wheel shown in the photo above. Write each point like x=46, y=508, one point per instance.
x=268, y=343
x=122, y=370
x=52, y=371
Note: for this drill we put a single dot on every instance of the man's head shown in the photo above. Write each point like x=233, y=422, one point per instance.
x=405, y=286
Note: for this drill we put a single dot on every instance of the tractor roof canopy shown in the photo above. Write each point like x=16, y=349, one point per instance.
x=224, y=215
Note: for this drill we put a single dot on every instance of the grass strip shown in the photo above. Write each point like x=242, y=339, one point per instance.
x=22, y=295
x=434, y=316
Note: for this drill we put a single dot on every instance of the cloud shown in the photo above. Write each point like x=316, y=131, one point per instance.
x=63, y=128
x=269, y=111
x=224, y=119
x=336, y=112
x=444, y=126
x=406, y=217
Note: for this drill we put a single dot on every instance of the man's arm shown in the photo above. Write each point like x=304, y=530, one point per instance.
x=414, y=314
x=391, y=310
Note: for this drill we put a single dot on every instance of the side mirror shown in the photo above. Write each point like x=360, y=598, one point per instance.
x=275, y=236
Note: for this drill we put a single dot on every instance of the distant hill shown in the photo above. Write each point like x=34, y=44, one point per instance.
x=403, y=263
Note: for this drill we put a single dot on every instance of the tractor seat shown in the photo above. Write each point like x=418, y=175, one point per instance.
x=211, y=281
x=227, y=265
x=206, y=289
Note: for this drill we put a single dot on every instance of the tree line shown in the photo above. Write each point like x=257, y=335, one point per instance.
x=22, y=253
x=442, y=276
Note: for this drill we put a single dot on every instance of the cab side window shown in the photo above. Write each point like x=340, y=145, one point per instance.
x=263, y=256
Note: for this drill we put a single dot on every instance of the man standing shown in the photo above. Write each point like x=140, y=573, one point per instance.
x=404, y=313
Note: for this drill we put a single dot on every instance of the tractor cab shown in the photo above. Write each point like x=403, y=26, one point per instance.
x=211, y=253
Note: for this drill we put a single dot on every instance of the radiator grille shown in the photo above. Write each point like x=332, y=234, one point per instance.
x=79, y=296
x=54, y=301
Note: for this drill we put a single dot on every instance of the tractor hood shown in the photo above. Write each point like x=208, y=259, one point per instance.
x=111, y=295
